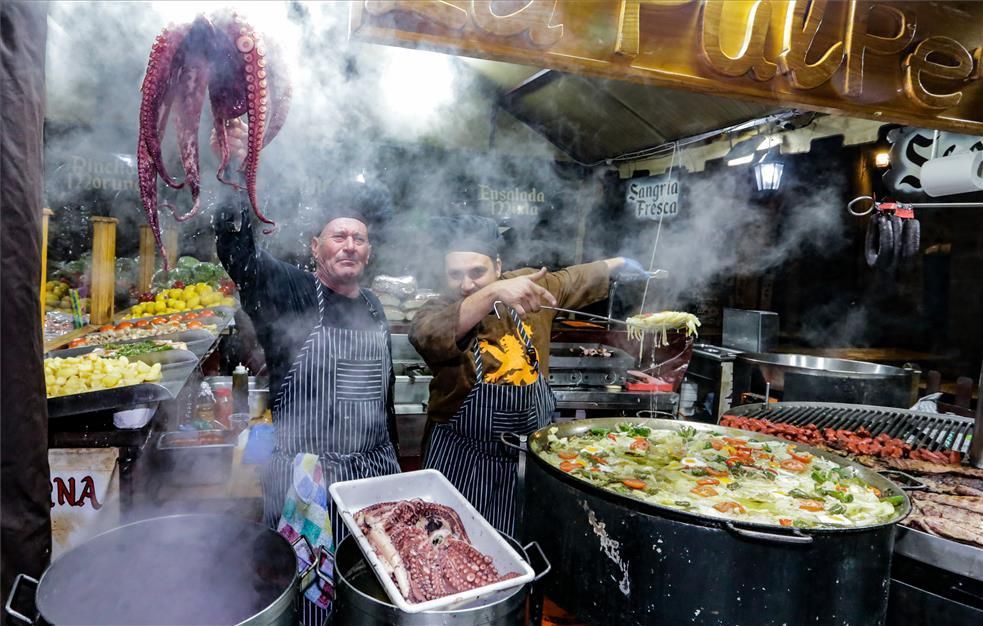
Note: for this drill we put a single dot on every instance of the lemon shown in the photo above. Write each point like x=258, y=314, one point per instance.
x=159, y=306
x=204, y=288
x=228, y=301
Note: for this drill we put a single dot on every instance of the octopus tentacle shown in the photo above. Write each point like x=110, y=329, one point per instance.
x=147, y=175
x=155, y=92
x=191, y=85
x=253, y=51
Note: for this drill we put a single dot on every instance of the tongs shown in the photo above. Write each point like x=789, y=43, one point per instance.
x=556, y=308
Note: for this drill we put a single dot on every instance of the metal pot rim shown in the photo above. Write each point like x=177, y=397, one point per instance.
x=290, y=589
x=768, y=359
x=883, y=483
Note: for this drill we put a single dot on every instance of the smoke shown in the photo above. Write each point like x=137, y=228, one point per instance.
x=415, y=123
x=723, y=231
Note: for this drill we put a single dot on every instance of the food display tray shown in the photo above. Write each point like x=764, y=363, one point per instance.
x=223, y=317
x=351, y=496
x=197, y=340
x=176, y=367
x=187, y=461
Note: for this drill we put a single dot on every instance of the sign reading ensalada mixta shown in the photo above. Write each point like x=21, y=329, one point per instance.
x=653, y=198
x=509, y=201
x=917, y=63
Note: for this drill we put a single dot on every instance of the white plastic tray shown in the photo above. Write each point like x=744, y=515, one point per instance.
x=430, y=485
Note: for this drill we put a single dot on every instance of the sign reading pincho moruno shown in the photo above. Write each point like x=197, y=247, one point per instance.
x=917, y=63
x=653, y=198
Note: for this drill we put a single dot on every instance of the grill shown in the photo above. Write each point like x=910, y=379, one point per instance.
x=930, y=431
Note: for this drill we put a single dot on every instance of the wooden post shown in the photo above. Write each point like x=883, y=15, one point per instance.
x=171, y=246
x=45, y=216
x=148, y=259
x=102, y=285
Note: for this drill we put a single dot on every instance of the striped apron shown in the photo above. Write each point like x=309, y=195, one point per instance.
x=332, y=403
x=468, y=449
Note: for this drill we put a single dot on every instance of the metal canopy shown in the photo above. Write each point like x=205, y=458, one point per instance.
x=593, y=119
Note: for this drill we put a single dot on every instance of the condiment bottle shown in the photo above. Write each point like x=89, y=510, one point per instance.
x=240, y=389
x=223, y=406
x=204, y=407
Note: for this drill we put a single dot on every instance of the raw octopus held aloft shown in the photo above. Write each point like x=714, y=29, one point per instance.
x=244, y=76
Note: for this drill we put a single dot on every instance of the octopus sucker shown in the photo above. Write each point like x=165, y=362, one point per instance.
x=224, y=56
x=425, y=549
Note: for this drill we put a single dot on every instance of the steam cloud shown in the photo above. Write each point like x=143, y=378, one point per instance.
x=353, y=112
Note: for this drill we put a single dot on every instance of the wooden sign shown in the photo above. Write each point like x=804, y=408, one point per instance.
x=916, y=63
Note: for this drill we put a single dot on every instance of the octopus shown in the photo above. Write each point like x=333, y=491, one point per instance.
x=244, y=76
x=425, y=549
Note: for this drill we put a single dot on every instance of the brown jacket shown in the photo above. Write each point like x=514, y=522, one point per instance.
x=433, y=330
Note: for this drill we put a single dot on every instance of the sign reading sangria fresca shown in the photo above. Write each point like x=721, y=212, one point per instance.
x=917, y=63
x=653, y=198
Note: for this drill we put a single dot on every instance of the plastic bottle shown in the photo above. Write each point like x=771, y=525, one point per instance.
x=204, y=408
x=223, y=406
x=240, y=389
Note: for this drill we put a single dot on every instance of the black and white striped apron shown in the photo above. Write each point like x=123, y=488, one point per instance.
x=332, y=403
x=467, y=449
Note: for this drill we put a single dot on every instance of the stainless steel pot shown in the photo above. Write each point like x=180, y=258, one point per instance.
x=361, y=601
x=800, y=377
x=633, y=562
x=181, y=569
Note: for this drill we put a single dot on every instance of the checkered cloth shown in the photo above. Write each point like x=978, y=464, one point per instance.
x=305, y=512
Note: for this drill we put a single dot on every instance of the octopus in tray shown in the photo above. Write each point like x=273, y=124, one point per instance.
x=244, y=76
x=425, y=549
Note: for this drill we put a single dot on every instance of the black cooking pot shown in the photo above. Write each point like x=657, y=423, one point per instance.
x=181, y=569
x=625, y=561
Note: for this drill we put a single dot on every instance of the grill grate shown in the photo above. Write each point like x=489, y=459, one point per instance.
x=930, y=431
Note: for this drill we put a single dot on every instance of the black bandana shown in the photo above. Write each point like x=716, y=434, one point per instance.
x=468, y=233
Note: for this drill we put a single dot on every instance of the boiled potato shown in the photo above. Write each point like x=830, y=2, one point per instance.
x=89, y=372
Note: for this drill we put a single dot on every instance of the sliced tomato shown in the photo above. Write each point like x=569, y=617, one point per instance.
x=634, y=484
x=715, y=472
x=784, y=521
x=75, y=343
x=792, y=465
x=640, y=443
x=194, y=324
x=206, y=313
x=567, y=466
x=567, y=456
x=597, y=459
x=612, y=437
x=106, y=328
x=735, y=441
x=124, y=325
x=739, y=460
x=801, y=457
x=704, y=491
x=708, y=481
x=726, y=507
x=142, y=323
x=810, y=505
x=716, y=444
x=158, y=320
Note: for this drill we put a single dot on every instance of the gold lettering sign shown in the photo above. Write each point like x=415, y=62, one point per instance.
x=804, y=19
x=920, y=62
x=915, y=63
x=859, y=40
x=750, y=55
x=534, y=18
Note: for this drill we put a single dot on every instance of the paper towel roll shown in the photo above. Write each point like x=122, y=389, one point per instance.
x=956, y=173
